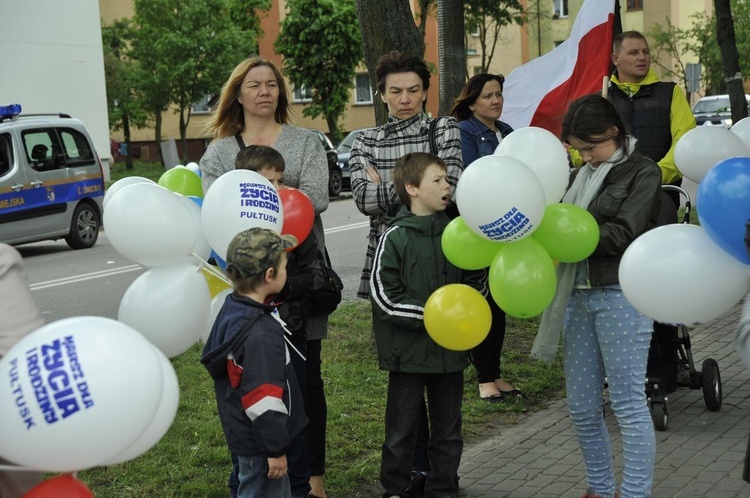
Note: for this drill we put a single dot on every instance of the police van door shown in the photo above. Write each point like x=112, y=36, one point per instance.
x=45, y=171
x=12, y=183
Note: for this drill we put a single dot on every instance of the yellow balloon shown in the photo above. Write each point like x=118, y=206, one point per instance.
x=457, y=317
x=215, y=284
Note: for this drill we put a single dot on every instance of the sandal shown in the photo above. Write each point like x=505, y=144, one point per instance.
x=493, y=398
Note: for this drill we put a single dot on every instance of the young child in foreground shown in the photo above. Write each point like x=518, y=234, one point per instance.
x=409, y=266
x=259, y=401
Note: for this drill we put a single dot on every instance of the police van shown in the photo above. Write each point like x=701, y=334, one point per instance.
x=51, y=179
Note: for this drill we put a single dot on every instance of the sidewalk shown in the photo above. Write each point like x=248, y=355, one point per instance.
x=700, y=454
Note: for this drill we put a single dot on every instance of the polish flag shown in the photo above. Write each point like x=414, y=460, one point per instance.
x=538, y=93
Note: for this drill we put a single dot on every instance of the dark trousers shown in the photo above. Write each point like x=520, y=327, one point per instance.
x=486, y=356
x=405, y=398
x=316, y=409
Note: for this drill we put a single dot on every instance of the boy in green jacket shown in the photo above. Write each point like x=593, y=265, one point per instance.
x=409, y=266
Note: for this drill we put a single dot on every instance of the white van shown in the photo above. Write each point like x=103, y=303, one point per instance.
x=51, y=179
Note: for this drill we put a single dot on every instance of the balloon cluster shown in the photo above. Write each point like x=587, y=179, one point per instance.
x=512, y=221
x=687, y=274
x=74, y=380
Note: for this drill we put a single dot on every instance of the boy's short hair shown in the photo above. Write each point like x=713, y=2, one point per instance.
x=409, y=170
x=258, y=157
x=252, y=252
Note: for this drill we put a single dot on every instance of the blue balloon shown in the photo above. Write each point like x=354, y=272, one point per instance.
x=197, y=200
x=219, y=262
x=724, y=205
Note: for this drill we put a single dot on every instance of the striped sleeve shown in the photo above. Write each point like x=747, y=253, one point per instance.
x=264, y=398
x=386, y=288
x=372, y=198
x=448, y=136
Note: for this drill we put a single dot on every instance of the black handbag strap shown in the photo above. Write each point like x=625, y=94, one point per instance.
x=431, y=136
x=240, y=142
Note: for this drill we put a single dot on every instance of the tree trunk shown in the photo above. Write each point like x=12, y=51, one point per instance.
x=730, y=59
x=386, y=25
x=157, y=136
x=451, y=52
x=128, y=148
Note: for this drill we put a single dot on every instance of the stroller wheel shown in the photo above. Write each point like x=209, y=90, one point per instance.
x=712, y=394
x=659, y=415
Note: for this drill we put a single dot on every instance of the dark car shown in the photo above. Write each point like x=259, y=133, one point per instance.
x=344, y=151
x=334, y=170
x=714, y=110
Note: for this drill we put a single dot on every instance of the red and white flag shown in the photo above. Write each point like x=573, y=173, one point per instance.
x=538, y=93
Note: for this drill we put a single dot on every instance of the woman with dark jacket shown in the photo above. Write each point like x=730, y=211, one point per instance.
x=478, y=111
x=603, y=334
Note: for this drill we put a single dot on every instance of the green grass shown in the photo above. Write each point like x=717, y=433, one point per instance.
x=192, y=460
x=150, y=170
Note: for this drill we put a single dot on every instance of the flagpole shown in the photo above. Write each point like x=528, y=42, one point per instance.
x=605, y=86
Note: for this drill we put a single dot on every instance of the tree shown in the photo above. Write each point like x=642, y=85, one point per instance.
x=701, y=40
x=730, y=59
x=322, y=47
x=451, y=52
x=487, y=18
x=386, y=25
x=187, y=49
x=538, y=15
x=124, y=102
x=668, y=45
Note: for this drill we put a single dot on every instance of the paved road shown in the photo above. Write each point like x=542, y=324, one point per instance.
x=700, y=455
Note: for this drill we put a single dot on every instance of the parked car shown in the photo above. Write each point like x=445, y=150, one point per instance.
x=334, y=171
x=344, y=150
x=51, y=180
x=714, y=110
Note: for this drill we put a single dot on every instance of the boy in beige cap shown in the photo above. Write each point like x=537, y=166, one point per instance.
x=259, y=401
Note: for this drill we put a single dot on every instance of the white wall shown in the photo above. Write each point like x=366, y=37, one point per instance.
x=52, y=61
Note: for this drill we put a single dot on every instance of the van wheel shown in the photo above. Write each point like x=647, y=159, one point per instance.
x=84, y=227
x=334, y=182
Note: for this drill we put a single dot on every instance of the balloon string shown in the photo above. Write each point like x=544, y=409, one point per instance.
x=211, y=269
x=16, y=468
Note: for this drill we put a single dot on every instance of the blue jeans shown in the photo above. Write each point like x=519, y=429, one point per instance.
x=402, y=413
x=605, y=336
x=254, y=481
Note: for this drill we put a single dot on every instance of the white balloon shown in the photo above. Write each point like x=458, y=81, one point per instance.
x=500, y=198
x=169, y=305
x=194, y=167
x=701, y=148
x=201, y=248
x=216, y=303
x=742, y=129
x=75, y=393
x=236, y=201
x=676, y=274
x=120, y=184
x=544, y=154
x=149, y=225
x=163, y=418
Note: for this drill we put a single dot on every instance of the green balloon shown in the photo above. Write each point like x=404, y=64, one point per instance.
x=522, y=278
x=182, y=181
x=568, y=232
x=466, y=249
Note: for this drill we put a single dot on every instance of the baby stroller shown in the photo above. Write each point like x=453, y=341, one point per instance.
x=670, y=362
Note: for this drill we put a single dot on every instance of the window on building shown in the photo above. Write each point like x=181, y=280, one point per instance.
x=363, y=90
x=635, y=4
x=301, y=94
x=560, y=8
x=202, y=106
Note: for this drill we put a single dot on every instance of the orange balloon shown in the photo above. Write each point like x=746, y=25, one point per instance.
x=62, y=486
